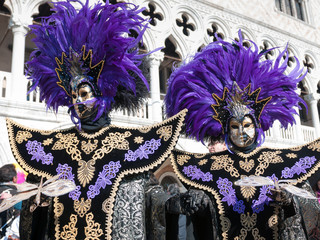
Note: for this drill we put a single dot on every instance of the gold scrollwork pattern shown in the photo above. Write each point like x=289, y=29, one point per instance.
x=247, y=191
x=315, y=146
x=226, y=163
x=88, y=147
x=86, y=171
x=243, y=235
x=138, y=140
x=199, y=155
x=113, y=141
x=69, y=142
x=82, y=207
x=226, y=224
x=59, y=208
x=23, y=136
x=291, y=155
x=92, y=231
x=246, y=165
x=182, y=159
x=165, y=132
x=70, y=231
x=247, y=221
x=255, y=234
x=106, y=205
x=265, y=159
x=48, y=141
x=273, y=221
x=144, y=129
x=203, y=162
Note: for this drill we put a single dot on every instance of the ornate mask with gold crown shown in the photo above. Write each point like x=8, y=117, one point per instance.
x=233, y=92
x=88, y=60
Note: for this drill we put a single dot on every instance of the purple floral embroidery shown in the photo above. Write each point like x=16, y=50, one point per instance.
x=36, y=150
x=143, y=151
x=239, y=207
x=225, y=188
x=65, y=171
x=229, y=196
x=287, y=173
x=109, y=172
x=258, y=205
x=47, y=159
x=75, y=194
x=299, y=167
x=196, y=173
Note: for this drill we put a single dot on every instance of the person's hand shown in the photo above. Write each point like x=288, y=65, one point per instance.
x=5, y=195
x=194, y=201
x=280, y=196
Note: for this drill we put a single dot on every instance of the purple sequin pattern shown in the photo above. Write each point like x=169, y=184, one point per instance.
x=143, y=151
x=196, y=173
x=35, y=149
x=299, y=167
x=109, y=172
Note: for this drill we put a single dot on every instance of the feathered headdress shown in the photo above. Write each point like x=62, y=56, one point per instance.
x=228, y=80
x=95, y=45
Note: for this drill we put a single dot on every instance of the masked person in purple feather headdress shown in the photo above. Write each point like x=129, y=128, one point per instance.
x=88, y=60
x=233, y=92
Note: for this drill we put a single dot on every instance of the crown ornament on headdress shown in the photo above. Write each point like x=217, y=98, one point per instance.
x=238, y=103
x=78, y=69
x=93, y=45
x=228, y=80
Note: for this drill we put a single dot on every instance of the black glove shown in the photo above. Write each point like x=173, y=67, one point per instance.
x=188, y=203
x=280, y=197
x=194, y=201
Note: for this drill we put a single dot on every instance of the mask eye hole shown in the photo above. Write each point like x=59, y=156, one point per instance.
x=83, y=94
x=74, y=96
x=233, y=126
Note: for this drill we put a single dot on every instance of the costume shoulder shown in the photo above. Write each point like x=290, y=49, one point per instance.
x=204, y=170
x=43, y=152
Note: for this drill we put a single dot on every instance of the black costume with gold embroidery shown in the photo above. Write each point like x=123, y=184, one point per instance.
x=96, y=163
x=247, y=212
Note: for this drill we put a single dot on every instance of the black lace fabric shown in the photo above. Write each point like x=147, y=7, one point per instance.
x=305, y=224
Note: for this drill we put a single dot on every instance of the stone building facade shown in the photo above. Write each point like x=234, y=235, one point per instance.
x=180, y=28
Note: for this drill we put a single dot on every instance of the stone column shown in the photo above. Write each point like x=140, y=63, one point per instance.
x=298, y=131
x=283, y=6
x=313, y=101
x=21, y=17
x=293, y=7
x=154, y=64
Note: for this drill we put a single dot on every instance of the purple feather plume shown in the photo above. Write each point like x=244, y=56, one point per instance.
x=217, y=66
x=104, y=28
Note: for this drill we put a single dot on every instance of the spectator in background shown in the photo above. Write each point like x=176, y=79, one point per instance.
x=217, y=145
x=8, y=174
x=317, y=190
